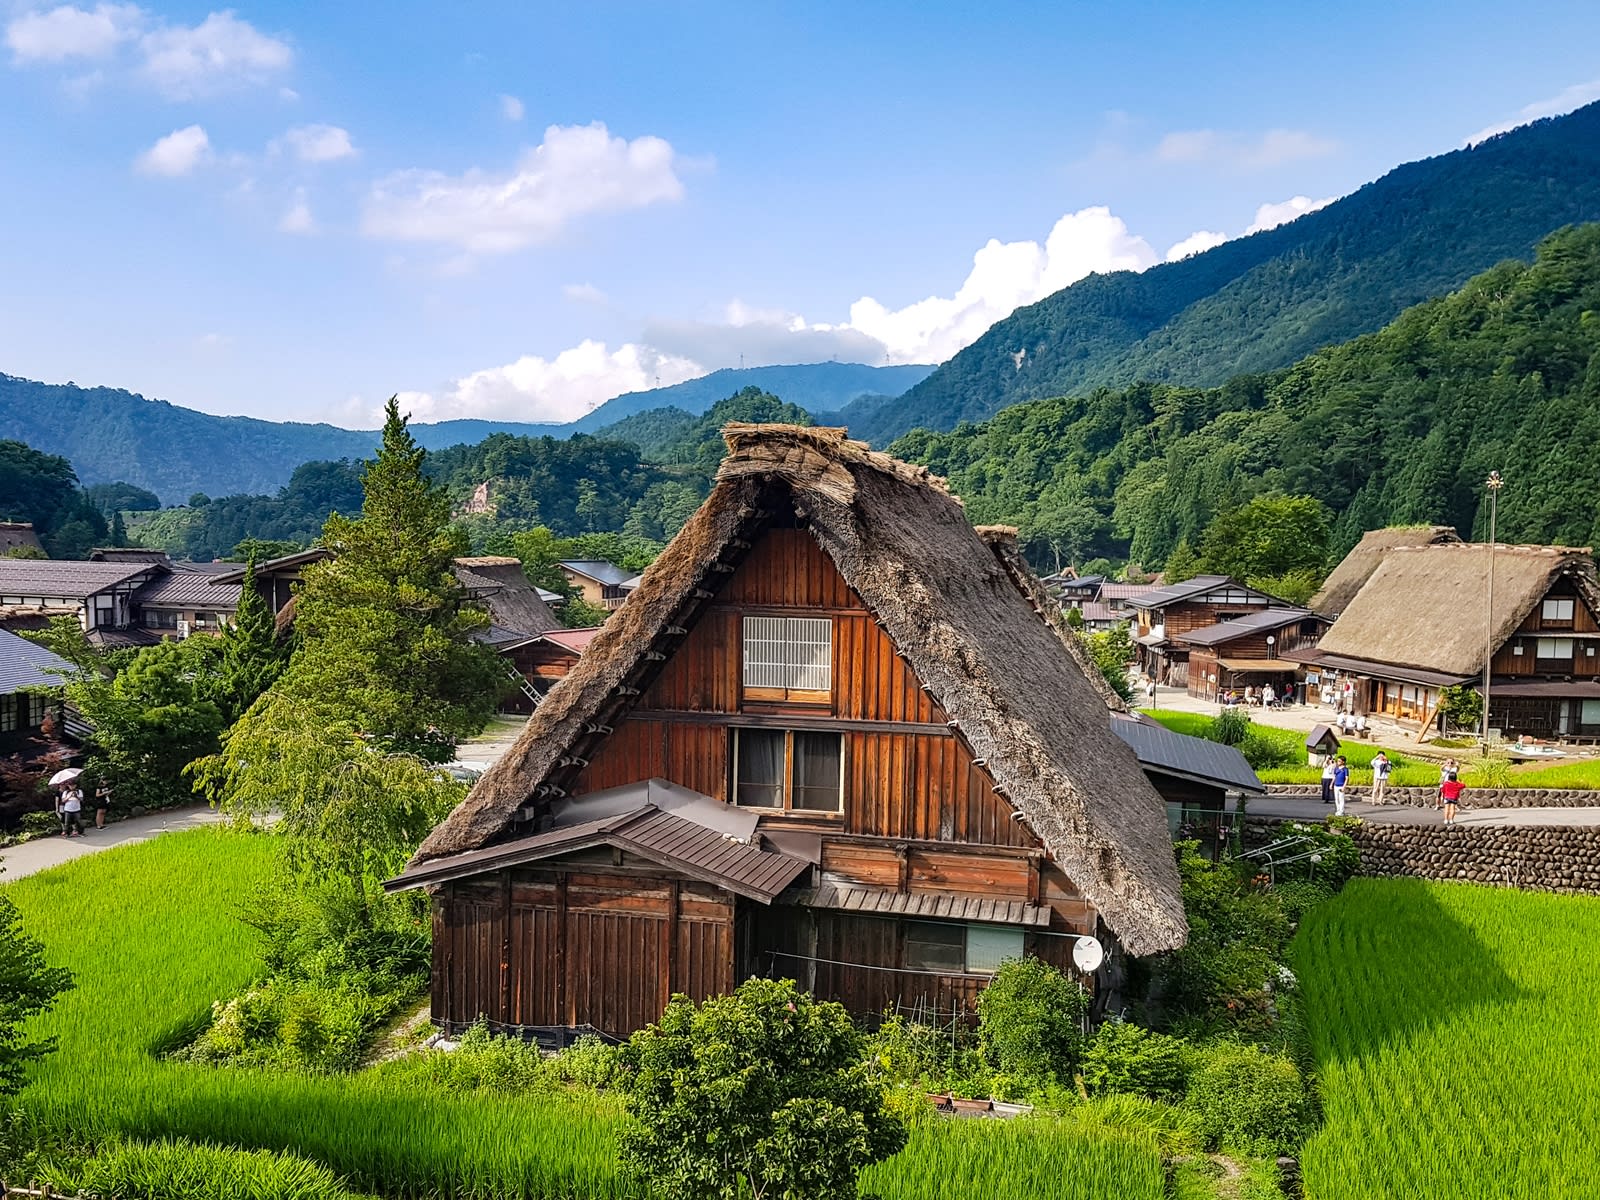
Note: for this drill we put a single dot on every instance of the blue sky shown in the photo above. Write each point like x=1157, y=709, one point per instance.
x=516, y=211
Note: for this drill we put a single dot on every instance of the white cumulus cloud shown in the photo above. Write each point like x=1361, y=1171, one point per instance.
x=1563, y=101
x=1197, y=242
x=1270, y=216
x=297, y=217
x=562, y=388
x=1269, y=149
x=584, y=293
x=67, y=32
x=181, y=61
x=180, y=152
x=1004, y=276
x=317, y=143
x=576, y=170
x=511, y=108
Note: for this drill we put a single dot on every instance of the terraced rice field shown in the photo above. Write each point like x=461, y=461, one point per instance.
x=151, y=934
x=1457, y=1033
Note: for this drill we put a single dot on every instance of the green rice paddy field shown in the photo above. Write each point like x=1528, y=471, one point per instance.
x=1457, y=1031
x=151, y=934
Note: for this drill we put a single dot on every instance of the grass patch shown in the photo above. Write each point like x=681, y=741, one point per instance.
x=1453, y=1028
x=1584, y=774
x=151, y=934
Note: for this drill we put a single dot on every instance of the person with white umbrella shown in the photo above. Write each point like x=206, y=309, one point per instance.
x=69, y=800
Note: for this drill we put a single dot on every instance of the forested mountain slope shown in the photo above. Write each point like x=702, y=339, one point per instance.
x=1397, y=427
x=1264, y=301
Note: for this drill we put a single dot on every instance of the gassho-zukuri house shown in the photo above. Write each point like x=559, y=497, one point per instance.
x=1420, y=623
x=830, y=737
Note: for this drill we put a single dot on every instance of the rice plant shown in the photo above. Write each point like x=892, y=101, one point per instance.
x=151, y=934
x=1454, y=1033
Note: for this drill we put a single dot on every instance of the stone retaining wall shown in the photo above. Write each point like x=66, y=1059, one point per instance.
x=1474, y=798
x=1544, y=858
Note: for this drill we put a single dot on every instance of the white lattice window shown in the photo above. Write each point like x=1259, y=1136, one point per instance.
x=789, y=654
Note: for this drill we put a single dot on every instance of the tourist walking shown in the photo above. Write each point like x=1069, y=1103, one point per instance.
x=1328, y=768
x=1448, y=771
x=1341, y=777
x=71, y=807
x=1380, y=777
x=1451, y=790
x=102, y=802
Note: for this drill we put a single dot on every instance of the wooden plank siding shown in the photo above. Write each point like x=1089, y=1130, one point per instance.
x=557, y=949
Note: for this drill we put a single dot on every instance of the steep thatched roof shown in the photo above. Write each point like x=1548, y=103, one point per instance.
x=1356, y=568
x=952, y=609
x=501, y=585
x=1424, y=606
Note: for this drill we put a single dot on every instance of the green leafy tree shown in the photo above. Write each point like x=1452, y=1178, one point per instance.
x=385, y=627
x=28, y=986
x=351, y=814
x=260, y=550
x=1112, y=651
x=763, y=1094
x=1182, y=564
x=253, y=656
x=1462, y=706
x=1030, y=1022
x=1269, y=536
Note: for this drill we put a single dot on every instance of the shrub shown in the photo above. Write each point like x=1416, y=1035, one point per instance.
x=481, y=1062
x=1491, y=771
x=1266, y=753
x=1246, y=1100
x=1230, y=726
x=1131, y=1060
x=1030, y=1022
x=178, y=1170
x=765, y=1090
x=1299, y=896
x=589, y=1062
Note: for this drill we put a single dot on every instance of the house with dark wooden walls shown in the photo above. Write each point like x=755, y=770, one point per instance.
x=833, y=736
x=1164, y=614
x=1248, y=651
x=1420, y=623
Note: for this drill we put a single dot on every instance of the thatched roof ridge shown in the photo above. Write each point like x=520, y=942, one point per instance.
x=952, y=608
x=1356, y=568
x=1424, y=605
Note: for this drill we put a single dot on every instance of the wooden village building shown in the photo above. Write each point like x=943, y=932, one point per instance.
x=1247, y=652
x=601, y=583
x=1419, y=624
x=832, y=736
x=1163, y=615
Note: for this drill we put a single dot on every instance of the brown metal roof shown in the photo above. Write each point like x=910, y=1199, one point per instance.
x=1571, y=688
x=189, y=589
x=66, y=578
x=941, y=907
x=647, y=831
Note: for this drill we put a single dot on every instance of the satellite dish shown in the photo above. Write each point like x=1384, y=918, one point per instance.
x=1088, y=954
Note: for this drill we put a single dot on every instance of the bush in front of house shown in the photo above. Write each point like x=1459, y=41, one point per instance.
x=1246, y=1099
x=1030, y=1023
x=1127, y=1059
x=766, y=1091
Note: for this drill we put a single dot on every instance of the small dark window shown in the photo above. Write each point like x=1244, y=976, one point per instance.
x=936, y=946
x=758, y=768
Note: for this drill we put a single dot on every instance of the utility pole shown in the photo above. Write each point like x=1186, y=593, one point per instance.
x=1494, y=484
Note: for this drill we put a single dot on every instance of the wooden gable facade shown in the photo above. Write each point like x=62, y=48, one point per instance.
x=919, y=879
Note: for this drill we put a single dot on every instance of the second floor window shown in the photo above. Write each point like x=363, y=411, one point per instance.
x=1557, y=610
x=782, y=769
x=788, y=655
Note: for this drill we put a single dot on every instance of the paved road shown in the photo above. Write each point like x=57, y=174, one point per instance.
x=1313, y=809
x=43, y=853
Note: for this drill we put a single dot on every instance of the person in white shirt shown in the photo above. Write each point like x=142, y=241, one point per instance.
x=71, y=807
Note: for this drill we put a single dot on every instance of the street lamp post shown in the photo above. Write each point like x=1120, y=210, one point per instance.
x=1494, y=484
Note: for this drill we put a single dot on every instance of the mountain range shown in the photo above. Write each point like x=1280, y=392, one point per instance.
x=109, y=434
x=1264, y=301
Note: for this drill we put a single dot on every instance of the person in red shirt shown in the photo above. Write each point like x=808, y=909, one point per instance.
x=1451, y=790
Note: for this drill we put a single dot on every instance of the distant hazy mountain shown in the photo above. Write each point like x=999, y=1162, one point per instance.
x=1265, y=301
x=109, y=434
x=815, y=387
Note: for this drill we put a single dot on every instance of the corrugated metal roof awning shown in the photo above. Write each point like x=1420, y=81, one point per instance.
x=940, y=907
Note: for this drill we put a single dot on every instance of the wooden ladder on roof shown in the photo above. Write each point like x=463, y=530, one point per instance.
x=527, y=689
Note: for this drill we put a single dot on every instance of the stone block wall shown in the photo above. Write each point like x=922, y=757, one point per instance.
x=1546, y=858
x=1474, y=798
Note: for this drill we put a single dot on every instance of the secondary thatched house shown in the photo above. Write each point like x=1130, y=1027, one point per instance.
x=1421, y=623
x=832, y=735
x=1356, y=568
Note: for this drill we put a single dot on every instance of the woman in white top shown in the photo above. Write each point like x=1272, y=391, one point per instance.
x=71, y=806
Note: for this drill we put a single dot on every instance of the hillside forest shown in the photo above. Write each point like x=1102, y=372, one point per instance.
x=1399, y=426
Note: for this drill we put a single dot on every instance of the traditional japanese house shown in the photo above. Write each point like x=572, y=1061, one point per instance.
x=1164, y=614
x=832, y=736
x=543, y=660
x=34, y=738
x=101, y=594
x=276, y=578
x=601, y=583
x=1356, y=567
x=1421, y=623
x=19, y=535
x=1247, y=652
